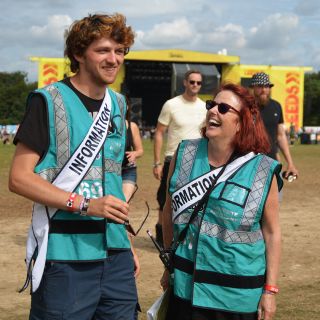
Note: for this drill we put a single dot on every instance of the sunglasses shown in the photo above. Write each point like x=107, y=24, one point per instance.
x=129, y=227
x=127, y=224
x=199, y=83
x=223, y=108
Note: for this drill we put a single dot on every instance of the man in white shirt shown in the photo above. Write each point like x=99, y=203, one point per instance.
x=183, y=116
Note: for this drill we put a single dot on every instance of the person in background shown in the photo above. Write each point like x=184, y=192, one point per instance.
x=182, y=117
x=272, y=116
x=5, y=136
x=69, y=151
x=292, y=134
x=133, y=151
x=223, y=200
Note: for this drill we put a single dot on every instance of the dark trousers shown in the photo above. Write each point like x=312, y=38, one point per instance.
x=87, y=291
x=179, y=309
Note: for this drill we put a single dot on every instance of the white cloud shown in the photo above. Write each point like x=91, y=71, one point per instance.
x=307, y=8
x=53, y=30
x=282, y=32
x=141, y=8
x=168, y=33
x=275, y=31
x=228, y=36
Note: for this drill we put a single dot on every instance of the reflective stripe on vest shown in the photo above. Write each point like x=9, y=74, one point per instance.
x=189, y=154
x=61, y=127
x=255, y=196
x=63, y=140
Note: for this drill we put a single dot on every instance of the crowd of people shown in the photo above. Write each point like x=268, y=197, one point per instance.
x=75, y=158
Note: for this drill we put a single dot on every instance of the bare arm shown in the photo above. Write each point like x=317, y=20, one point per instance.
x=23, y=181
x=136, y=261
x=284, y=147
x=272, y=235
x=167, y=225
x=158, y=142
x=137, y=144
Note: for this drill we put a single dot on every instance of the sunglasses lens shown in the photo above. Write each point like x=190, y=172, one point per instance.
x=195, y=82
x=223, y=108
x=210, y=104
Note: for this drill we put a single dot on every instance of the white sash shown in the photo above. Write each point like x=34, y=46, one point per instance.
x=68, y=179
x=189, y=195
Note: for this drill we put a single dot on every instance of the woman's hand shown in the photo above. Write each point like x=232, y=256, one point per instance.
x=267, y=306
x=131, y=156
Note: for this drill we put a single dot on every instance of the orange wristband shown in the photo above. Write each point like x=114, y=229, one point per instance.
x=270, y=288
x=70, y=202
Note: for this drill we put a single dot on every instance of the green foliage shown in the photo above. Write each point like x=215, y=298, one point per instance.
x=312, y=99
x=13, y=94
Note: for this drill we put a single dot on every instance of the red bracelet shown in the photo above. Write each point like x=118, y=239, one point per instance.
x=70, y=202
x=270, y=288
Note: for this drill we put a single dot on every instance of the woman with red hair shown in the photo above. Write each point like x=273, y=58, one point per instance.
x=221, y=216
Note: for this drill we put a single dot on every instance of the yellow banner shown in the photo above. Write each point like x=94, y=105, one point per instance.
x=50, y=72
x=288, y=87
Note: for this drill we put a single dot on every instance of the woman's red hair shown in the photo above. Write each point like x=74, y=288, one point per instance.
x=252, y=135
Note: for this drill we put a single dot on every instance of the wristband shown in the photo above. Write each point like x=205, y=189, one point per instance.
x=157, y=164
x=70, y=202
x=268, y=292
x=84, y=205
x=270, y=289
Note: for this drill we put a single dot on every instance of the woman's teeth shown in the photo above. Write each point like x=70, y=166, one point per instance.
x=214, y=123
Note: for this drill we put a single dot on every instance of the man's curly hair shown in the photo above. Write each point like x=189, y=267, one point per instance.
x=83, y=32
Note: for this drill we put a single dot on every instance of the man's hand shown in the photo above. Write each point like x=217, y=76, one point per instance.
x=109, y=207
x=157, y=171
x=267, y=307
x=137, y=267
x=291, y=168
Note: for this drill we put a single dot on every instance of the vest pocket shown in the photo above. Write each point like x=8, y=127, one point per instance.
x=235, y=194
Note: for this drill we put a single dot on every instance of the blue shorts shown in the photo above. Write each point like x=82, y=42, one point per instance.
x=129, y=175
x=92, y=290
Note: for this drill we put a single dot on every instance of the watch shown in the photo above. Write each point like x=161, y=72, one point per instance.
x=84, y=206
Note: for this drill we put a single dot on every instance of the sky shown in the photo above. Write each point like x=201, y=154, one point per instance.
x=273, y=32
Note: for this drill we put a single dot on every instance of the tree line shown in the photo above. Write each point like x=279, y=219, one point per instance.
x=311, y=110
x=14, y=90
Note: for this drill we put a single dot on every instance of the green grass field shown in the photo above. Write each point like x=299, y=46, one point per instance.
x=299, y=280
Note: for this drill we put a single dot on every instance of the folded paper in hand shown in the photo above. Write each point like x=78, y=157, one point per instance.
x=158, y=310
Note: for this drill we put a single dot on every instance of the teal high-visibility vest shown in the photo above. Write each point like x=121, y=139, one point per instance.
x=73, y=237
x=221, y=264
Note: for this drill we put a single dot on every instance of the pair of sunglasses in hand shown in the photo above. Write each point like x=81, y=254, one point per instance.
x=127, y=224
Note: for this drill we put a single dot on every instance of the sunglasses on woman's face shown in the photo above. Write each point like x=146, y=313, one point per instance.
x=223, y=108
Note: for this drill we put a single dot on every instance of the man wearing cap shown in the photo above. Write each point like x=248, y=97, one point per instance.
x=272, y=117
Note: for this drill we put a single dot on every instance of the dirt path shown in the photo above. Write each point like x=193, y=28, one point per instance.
x=300, y=220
